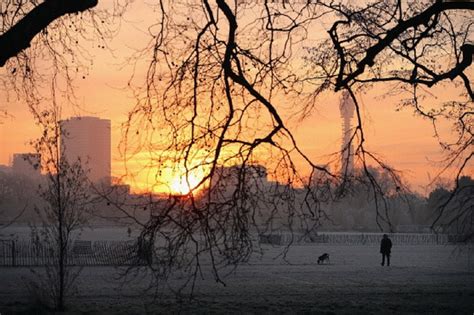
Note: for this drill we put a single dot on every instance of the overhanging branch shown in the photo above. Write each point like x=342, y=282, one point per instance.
x=421, y=19
x=20, y=35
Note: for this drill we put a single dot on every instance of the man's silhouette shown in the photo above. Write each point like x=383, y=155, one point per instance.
x=385, y=249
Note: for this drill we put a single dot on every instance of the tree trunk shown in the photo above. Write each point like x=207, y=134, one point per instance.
x=60, y=302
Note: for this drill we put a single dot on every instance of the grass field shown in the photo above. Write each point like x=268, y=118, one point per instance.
x=422, y=279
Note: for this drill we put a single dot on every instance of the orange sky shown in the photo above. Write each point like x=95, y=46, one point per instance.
x=405, y=141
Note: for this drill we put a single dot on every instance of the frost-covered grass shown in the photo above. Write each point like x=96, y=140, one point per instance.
x=422, y=279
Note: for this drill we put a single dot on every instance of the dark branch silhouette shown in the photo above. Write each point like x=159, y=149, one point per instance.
x=20, y=35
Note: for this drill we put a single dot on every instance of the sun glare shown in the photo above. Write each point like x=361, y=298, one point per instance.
x=181, y=186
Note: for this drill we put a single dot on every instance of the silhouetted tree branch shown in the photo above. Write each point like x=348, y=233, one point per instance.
x=19, y=36
x=425, y=22
x=413, y=45
x=212, y=103
x=43, y=46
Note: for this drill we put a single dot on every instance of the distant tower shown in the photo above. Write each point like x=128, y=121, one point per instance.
x=88, y=139
x=347, y=108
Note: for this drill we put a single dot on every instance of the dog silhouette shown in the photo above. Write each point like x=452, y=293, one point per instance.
x=323, y=258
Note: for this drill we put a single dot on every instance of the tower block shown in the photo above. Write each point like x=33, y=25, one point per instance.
x=347, y=108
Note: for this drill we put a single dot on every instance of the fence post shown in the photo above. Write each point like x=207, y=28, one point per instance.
x=13, y=253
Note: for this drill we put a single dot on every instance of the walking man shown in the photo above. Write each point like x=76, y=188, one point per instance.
x=385, y=249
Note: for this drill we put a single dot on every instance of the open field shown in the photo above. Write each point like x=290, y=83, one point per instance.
x=422, y=279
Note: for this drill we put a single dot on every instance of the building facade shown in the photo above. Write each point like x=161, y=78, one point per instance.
x=88, y=139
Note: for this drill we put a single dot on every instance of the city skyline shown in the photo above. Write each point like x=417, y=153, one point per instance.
x=413, y=149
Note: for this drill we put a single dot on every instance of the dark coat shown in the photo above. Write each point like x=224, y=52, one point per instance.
x=385, y=246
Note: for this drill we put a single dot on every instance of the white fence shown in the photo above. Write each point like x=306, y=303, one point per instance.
x=285, y=238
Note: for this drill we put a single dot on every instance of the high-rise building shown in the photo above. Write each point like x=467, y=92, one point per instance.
x=88, y=139
x=28, y=164
x=347, y=108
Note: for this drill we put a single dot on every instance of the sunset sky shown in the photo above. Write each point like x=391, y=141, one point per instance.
x=401, y=138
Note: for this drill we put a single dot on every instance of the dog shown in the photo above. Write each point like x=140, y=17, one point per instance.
x=324, y=257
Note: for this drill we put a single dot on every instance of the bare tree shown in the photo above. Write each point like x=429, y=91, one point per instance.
x=66, y=198
x=452, y=209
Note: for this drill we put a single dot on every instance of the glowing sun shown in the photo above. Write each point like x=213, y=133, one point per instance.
x=182, y=186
